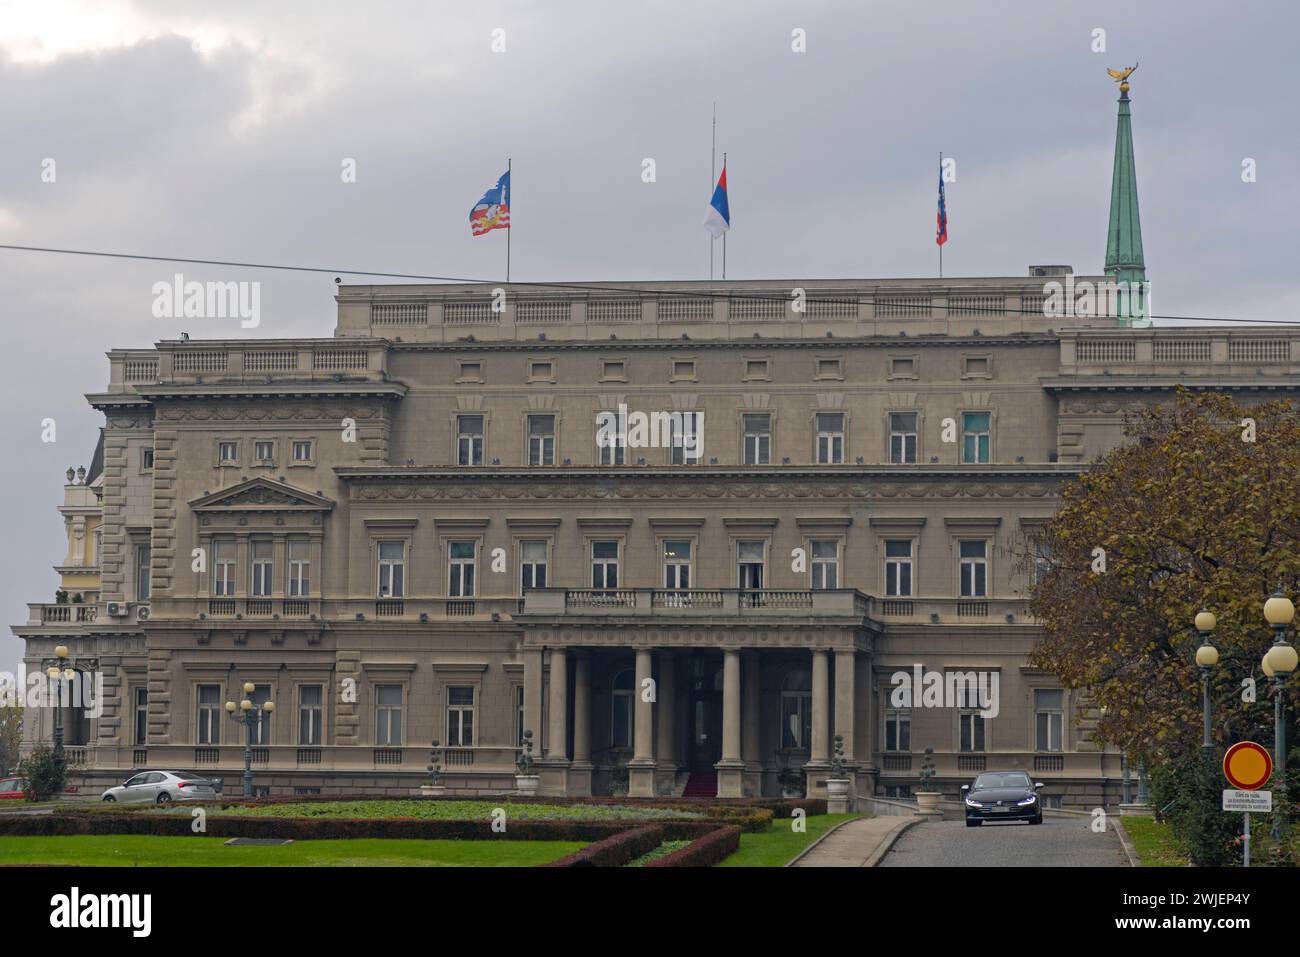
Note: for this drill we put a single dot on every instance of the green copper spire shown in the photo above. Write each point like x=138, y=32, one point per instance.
x=1124, y=262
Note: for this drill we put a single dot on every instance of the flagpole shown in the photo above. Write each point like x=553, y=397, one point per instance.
x=713, y=170
x=945, y=213
x=724, y=235
x=509, y=189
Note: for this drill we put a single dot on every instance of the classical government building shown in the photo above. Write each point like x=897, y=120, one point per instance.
x=419, y=528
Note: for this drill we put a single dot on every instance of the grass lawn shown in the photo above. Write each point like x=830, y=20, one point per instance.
x=139, y=850
x=780, y=843
x=1154, y=843
x=451, y=810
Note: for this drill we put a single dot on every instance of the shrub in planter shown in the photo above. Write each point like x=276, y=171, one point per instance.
x=792, y=782
x=617, y=781
x=43, y=777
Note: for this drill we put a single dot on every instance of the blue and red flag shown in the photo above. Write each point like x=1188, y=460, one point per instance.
x=493, y=210
x=718, y=219
x=941, y=230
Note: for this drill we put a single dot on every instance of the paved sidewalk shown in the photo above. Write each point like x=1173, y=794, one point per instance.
x=857, y=843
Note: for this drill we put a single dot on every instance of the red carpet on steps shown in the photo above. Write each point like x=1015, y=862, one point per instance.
x=701, y=784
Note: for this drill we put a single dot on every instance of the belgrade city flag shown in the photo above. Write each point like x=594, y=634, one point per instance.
x=718, y=219
x=941, y=229
x=493, y=210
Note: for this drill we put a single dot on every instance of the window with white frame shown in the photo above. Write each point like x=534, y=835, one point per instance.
x=973, y=567
x=604, y=564
x=611, y=438
x=758, y=438
x=223, y=567
x=302, y=451
x=392, y=569
x=825, y=564
x=208, y=722
x=228, y=452
x=677, y=564
x=902, y=437
x=976, y=436
x=262, y=556
x=1042, y=563
x=541, y=440
x=532, y=565
x=146, y=460
x=898, y=567
x=260, y=717
x=898, y=730
x=460, y=716
x=796, y=711
x=469, y=440
x=299, y=553
x=388, y=716
x=970, y=721
x=686, y=437
x=830, y=438
x=749, y=565
x=143, y=560
x=264, y=452
x=621, y=709
x=1049, y=718
x=310, y=714
x=140, y=723
x=460, y=570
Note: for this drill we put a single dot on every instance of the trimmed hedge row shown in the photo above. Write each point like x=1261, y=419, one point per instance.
x=780, y=807
x=615, y=851
x=708, y=850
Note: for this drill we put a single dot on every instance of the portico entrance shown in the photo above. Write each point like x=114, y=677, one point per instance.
x=705, y=711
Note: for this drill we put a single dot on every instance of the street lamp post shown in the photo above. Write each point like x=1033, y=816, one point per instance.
x=1207, y=656
x=58, y=671
x=1278, y=663
x=249, y=721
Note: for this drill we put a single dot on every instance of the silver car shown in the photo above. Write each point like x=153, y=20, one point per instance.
x=160, y=787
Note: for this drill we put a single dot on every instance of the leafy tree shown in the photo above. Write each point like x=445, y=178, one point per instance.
x=43, y=777
x=11, y=737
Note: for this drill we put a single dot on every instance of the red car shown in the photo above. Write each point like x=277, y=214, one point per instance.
x=11, y=789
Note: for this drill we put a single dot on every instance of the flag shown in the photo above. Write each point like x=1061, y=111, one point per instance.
x=718, y=219
x=941, y=232
x=493, y=210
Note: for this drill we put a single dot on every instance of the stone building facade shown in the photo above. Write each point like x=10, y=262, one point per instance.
x=412, y=531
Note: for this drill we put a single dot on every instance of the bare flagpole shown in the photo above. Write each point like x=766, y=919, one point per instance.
x=510, y=188
x=713, y=164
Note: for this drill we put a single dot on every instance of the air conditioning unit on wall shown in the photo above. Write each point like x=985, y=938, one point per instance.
x=116, y=609
x=142, y=613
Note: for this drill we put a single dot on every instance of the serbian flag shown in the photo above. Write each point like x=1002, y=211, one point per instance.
x=718, y=219
x=493, y=210
x=941, y=231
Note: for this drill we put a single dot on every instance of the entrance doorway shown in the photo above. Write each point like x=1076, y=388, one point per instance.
x=705, y=717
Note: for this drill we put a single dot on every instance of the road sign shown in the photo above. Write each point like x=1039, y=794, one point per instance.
x=1252, y=802
x=1247, y=765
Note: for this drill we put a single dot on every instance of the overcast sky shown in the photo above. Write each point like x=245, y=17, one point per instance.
x=179, y=130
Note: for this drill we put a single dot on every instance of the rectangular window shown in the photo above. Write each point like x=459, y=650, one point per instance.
x=758, y=439
x=611, y=438
x=388, y=716
x=1049, y=715
x=898, y=568
x=830, y=438
x=140, y=724
x=686, y=437
x=532, y=565
x=392, y=569
x=677, y=564
x=613, y=369
x=146, y=460
x=310, y=713
x=825, y=564
x=975, y=437
x=621, y=716
x=541, y=371
x=749, y=565
x=228, y=453
x=299, y=568
x=262, y=551
x=972, y=731
x=796, y=720
x=683, y=369
x=460, y=579
x=541, y=440
x=469, y=439
x=260, y=695
x=902, y=438
x=208, y=728
x=974, y=568
x=756, y=369
x=519, y=716
x=460, y=717
x=143, y=558
x=898, y=731
x=604, y=564
x=302, y=450
x=223, y=568
x=1042, y=563
x=264, y=452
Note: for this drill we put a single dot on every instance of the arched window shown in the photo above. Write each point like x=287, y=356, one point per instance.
x=796, y=710
x=621, y=709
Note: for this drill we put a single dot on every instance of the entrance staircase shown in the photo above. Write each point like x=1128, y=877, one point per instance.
x=701, y=784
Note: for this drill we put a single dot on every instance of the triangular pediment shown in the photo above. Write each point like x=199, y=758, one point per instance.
x=262, y=495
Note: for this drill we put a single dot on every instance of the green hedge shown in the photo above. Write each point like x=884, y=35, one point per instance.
x=708, y=850
x=615, y=851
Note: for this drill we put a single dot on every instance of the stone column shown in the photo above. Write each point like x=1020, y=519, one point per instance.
x=641, y=769
x=845, y=665
x=533, y=696
x=731, y=767
x=557, y=738
x=580, y=768
x=820, y=757
x=666, y=715
x=751, y=750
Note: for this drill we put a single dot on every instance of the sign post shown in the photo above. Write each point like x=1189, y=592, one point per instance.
x=1247, y=766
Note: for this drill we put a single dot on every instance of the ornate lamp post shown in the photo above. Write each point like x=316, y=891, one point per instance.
x=57, y=672
x=1207, y=656
x=1278, y=663
x=250, y=722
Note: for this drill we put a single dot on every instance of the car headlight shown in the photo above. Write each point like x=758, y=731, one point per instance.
x=1027, y=801
x=970, y=802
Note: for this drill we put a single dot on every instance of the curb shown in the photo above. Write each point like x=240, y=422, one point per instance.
x=1126, y=843
x=889, y=839
x=808, y=850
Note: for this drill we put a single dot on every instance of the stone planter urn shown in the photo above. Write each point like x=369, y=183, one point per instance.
x=927, y=801
x=837, y=795
x=526, y=784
